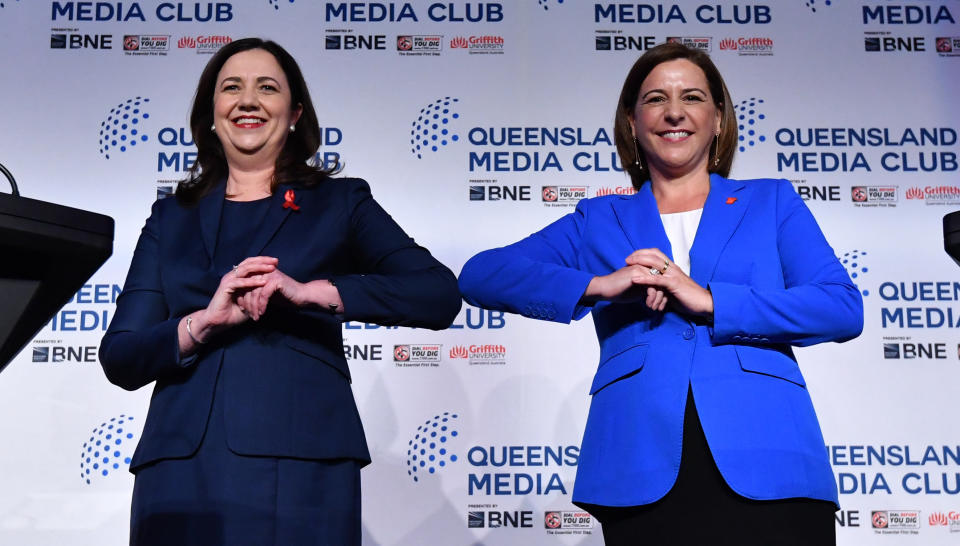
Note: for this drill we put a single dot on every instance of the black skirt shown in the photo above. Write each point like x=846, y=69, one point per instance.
x=702, y=509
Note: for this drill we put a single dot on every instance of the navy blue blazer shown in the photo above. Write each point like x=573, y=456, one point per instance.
x=286, y=383
x=775, y=283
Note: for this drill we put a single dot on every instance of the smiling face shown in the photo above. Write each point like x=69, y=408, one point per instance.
x=252, y=109
x=675, y=119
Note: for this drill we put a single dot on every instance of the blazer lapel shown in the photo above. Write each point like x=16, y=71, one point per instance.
x=275, y=217
x=640, y=221
x=209, y=209
x=722, y=213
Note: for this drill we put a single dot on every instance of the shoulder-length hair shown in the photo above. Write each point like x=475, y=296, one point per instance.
x=296, y=162
x=623, y=135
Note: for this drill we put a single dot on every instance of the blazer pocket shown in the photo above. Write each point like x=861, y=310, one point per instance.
x=771, y=362
x=321, y=353
x=617, y=363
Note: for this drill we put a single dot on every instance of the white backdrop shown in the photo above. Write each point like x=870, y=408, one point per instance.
x=853, y=101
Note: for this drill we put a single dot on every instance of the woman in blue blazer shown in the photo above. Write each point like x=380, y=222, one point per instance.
x=233, y=307
x=701, y=429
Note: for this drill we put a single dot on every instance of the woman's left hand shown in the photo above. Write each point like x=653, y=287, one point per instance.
x=685, y=294
x=279, y=285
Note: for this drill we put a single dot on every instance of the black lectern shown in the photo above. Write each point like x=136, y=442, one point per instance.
x=951, y=235
x=47, y=252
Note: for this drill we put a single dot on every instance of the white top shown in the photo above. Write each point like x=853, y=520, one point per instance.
x=681, y=228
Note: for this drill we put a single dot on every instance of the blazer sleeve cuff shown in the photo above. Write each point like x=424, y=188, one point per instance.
x=568, y=286
x=356, y=302
x=726, y=311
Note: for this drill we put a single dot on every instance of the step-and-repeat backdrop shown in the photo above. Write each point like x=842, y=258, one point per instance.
x=476, y=123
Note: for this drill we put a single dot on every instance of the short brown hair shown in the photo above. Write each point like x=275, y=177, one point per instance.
x=623, y=135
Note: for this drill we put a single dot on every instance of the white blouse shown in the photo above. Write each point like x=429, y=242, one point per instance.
x=681, y=228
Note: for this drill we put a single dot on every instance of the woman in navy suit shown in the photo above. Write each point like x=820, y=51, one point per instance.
x=701, y=429
x=233, y=307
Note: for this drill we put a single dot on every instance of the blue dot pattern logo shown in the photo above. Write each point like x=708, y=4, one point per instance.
x=276, y=3
x=3, y=4
x=546, y=3
x=429, y=450
x=812, y=4
x=748, y=122
x=853, y=262
x=432, y=129
x=108, y=449
x=122, y=129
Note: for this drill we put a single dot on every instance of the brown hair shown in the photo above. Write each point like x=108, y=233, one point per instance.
x=295, y=163
x=623, y=135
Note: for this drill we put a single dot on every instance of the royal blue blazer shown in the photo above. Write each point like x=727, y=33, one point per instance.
x=776, y=283
x=286, y=383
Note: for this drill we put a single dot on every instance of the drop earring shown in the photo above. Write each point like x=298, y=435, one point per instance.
x=716, y=149
x=636, y=151
x=213, y=127
x=293, y=128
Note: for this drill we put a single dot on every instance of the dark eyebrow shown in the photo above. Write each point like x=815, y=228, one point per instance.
x=259, y=79
x=688, y=90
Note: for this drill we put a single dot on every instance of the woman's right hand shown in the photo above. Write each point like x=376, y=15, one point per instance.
x=224, y=309
x=621, y=286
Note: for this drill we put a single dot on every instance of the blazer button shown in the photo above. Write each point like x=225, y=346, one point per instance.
x=688, y=333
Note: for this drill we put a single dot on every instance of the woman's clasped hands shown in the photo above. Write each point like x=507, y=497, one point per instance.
x=246, y=291
x=650, y=276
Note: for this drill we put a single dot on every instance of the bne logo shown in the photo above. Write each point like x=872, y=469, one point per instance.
x=363, y=352
x=933, y=351
x=494, y=519
x=500, y=193
x=61, y=353
x=356, y=41
x=847, y=518
x=894, y=43
x=81, y=41
x=816, y=193
x=624, y=43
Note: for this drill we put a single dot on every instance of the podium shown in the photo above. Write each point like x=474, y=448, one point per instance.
x=48, y=251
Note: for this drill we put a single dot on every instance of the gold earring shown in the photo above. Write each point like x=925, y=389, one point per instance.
x=716, y=149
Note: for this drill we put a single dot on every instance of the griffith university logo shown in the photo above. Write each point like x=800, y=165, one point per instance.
x=853, y=262
x=123, y=128
x=749, y=118
x=433, y=128
x=812, y=4
x=108, y=449
x=430, y=448
x=546, y=3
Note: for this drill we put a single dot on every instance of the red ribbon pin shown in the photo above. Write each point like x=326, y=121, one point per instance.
x=288, y=199
x=731, y=200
